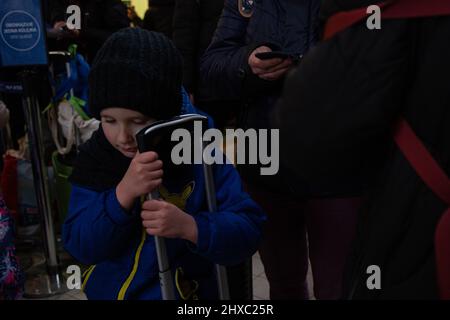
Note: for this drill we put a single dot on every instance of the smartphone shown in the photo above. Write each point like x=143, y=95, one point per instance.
x=273, y=55
x=279, y=54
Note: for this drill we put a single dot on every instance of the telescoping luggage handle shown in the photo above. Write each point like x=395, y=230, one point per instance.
x=165, y=274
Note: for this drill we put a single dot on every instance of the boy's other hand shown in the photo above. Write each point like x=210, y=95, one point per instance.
x=163, y=219
x=142, y=177
x=271, y=69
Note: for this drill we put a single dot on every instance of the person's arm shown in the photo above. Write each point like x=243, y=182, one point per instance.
x=97, y=227
x=186, y=27
x=233, y=233
x=224, y=65
x=227, y=236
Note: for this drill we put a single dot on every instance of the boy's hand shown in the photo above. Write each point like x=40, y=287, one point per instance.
x=163, y=219
x=142, y=177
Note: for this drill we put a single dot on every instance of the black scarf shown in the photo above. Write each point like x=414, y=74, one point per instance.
x=99, y=166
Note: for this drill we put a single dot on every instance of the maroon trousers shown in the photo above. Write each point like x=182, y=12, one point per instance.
x=321, y=228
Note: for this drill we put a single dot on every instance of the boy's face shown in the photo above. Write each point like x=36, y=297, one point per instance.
x=120, y=127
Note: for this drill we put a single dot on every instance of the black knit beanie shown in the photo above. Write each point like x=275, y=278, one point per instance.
x=138, y=70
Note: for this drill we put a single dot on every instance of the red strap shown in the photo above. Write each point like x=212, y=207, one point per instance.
x=345, y=19
x=442, y=246
x=8, y=183
x=399, y=9
x=436, y=179
x=422, y=161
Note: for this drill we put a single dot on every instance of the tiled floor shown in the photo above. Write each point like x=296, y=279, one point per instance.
x=69, y=295
x=260, y=285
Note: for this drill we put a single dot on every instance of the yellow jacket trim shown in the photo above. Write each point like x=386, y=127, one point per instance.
x=130, y=278
x=185, y=296
x=88, y=273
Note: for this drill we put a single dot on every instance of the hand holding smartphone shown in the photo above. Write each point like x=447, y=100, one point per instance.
x=277, y=54
x=271, y=65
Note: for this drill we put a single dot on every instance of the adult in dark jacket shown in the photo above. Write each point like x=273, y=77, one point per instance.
x=342, y=106
x=194, y=23
x=159, y=16
x=99, y=19
x=230, y=71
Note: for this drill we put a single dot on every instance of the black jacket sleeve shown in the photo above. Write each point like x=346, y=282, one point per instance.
x=224, y=66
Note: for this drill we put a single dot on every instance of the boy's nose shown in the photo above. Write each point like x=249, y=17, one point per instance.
x=125, y=136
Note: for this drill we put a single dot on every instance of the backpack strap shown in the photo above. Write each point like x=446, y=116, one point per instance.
x=421, y=160
x=436, y=179
x=393, y=9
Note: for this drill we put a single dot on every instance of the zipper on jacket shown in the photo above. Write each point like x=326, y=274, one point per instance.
x=86, y=276
x=126, y=285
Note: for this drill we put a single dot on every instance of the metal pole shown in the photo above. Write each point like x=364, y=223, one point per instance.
x=163, y=261
x=221, y=271
x=52, y=285
x=165, y=274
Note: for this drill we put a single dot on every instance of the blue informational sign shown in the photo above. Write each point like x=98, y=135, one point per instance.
x=22, y=33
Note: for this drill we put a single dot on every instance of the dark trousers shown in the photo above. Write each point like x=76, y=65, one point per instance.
x=330, y=225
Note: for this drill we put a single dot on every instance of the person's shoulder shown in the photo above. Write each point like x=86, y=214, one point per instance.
x=188, y=107
x=89, y=191
x=246, y=7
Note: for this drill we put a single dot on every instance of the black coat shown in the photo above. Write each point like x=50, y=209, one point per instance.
x=159, y=17
x=336, y=118
x=194, y=23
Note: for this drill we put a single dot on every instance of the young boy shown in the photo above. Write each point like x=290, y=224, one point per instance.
x=136, y=80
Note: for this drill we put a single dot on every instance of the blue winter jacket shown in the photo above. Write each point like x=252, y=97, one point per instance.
x=98, y=232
